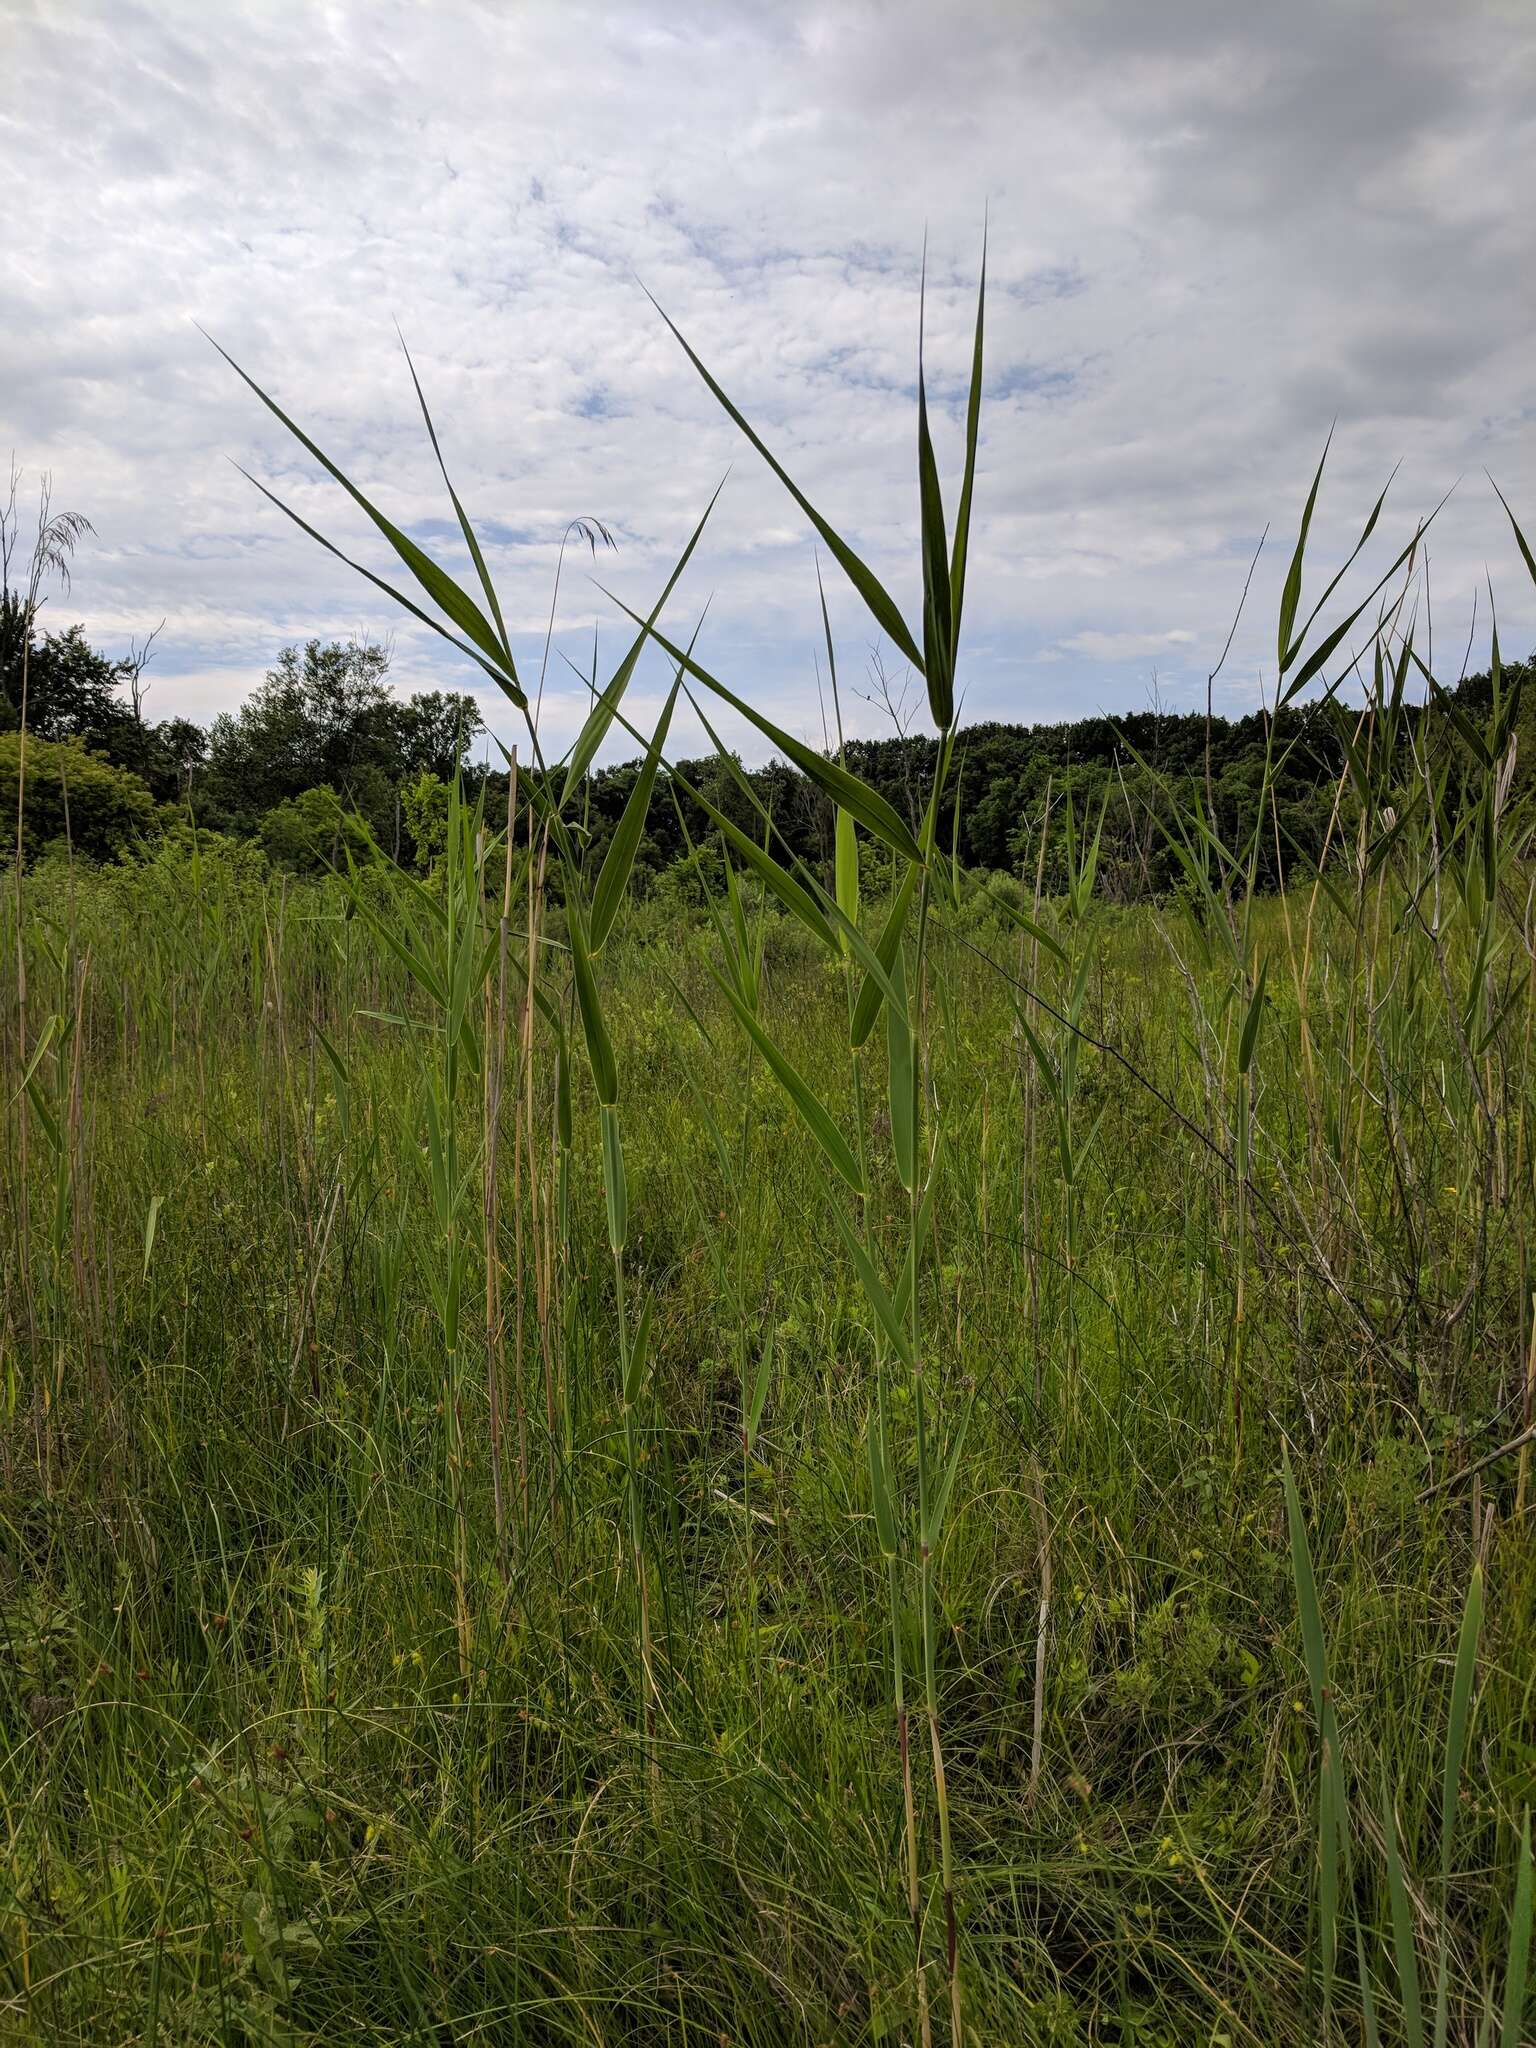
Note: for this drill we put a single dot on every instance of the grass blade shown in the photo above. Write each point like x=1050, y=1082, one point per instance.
x=887, y=948
x=613, y=877
x=1290, y=597
x=1402, y=1929
x=962, y=539
x=878, y=1295
x=605, y=1073
x=595, y=730
x=471, y=540
x=938, y=613
x=882, y=606
x=812, y=1113
x=1517, y=1962
x=866, y=804
x=457, y=604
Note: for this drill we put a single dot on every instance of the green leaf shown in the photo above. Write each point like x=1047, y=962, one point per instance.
x=434, y=580
x=1250, y=1033
x=639, y=1355
x=595, y=729
x=769, y=872
x=846, y=868
x=881, y=604
x=887, y=947
x=972, y=426
x=1402, y=1930
x=1290, y=597
x=1461, y=1709
x=46, y=1118
x=1325, y=648
x=613, y=878
x=564, y=1128
x=495, y=670
x=1354, y=555
x=878, y=1296
x=939, y=1502
x=880, y=1489
x=866, y=804
x=812, y=1114
x=1520, y=540
x=938, y=612
x=1518, y=1960
x=902, y=1072
x=919, y=1239
x=471, y=541
x=1028, y=926
x=600, y=1058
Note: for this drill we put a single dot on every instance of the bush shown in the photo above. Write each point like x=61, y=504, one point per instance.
x=72, y=797
x=311, y=833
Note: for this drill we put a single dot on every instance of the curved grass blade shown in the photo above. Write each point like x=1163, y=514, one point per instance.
x=601, y=716
x=845, y=870
x=471, y=540
x=1321, y=653
x=1518, y=1961
x=1370, y=527
x=613, y=877
x=605, y=1073
x=1290, y=596
x=866, y=804
x=773, y=876
x=1403, y=1950
x=902, y=1067
x=495, y=671
x=875, y=1290
x=957, y=563
x=639, y=1354
x=882, y=606
x=939, y=1503
x=812, y=1113
x=1250, y=1033
x=438, y=584
x=880, y=1490
x=938, y=614
x=1520, y=539
x=887, y=946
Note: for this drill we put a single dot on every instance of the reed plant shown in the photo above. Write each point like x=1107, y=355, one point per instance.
x=521, y=1402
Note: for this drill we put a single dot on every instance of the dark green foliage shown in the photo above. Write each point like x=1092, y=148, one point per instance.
x=73, y=799
x=326, y=716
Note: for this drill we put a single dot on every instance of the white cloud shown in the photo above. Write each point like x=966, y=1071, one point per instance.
x=1211, y=232
x=1131, y=646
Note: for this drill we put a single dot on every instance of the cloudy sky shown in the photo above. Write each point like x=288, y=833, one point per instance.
x=1214, y=230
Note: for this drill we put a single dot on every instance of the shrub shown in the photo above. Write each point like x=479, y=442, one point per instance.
x=72, y=797
x=310, y=833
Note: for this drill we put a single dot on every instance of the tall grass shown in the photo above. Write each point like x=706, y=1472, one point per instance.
x=905, y=1459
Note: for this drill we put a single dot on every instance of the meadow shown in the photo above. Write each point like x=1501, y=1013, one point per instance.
x=889, y=1455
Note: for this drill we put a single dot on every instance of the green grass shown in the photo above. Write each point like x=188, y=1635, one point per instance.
x=250, y=1791
x=896, y=1460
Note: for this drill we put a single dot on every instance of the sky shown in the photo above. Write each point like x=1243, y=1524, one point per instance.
x=1214, y=232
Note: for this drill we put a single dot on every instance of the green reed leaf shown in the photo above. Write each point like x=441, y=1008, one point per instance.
x=613, y=877
x=811, y=1111
x=882, y=606
x=600, y=1058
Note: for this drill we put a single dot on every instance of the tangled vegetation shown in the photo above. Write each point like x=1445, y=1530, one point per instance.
x=872, y=1454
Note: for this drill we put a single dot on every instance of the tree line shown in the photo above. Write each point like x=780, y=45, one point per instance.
x=324, y=754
